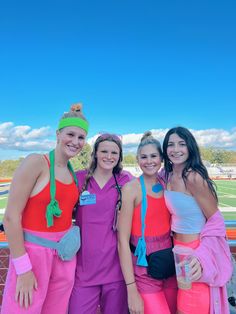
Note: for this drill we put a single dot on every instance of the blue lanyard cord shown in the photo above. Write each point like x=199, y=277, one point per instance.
x=140, y=251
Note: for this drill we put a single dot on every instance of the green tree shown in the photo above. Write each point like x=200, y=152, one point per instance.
x=230, y=157
x=8, y=167
x=206, y=153
x=130, y=159
x=81, y=161
x=218, y=156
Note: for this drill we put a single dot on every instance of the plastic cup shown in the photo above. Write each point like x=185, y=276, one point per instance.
x=183, y=256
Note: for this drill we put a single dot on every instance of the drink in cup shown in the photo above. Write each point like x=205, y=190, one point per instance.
x=183, y=256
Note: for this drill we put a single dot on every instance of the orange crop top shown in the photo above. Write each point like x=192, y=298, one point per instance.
x=157, y=218
x=33, y=216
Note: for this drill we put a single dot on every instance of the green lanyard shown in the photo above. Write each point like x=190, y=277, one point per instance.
x=53, y=208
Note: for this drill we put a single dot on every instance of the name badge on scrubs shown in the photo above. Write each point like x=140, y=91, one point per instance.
x=87, y=199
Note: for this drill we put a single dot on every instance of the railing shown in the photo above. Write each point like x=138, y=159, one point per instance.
x=231, y=224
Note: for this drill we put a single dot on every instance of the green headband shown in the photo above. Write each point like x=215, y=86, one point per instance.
x=73, y=121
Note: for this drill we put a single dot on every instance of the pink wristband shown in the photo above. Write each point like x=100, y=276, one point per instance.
x=22, y=264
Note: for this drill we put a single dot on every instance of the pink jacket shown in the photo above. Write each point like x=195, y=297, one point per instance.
x=215, y=258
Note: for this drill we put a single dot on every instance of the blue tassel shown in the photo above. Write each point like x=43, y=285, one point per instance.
x=140, y=252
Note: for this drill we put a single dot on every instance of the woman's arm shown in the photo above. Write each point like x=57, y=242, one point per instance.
x=22, y=184
x=200, y=190
x=135, y=302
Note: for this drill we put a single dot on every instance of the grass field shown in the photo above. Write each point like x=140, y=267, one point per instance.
x=3, y=202
x=4, y=187
x=229, y=215
x=226, y=191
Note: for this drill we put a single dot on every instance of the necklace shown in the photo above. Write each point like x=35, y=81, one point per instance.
x=156, y=188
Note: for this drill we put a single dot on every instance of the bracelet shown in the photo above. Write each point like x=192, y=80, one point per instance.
x=130, y=283
x=22, y=264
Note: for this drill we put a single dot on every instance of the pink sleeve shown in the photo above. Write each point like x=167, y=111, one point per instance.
x=124, y=177
x=214, y=255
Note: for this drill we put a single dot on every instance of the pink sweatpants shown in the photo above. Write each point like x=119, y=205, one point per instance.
x=55, y=282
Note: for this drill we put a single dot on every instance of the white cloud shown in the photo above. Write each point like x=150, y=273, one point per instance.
x=24, y=138
x=217, y=138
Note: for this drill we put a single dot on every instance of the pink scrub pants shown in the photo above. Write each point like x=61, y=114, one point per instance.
x=111, y=297
x=55, y=282
x=197, y=299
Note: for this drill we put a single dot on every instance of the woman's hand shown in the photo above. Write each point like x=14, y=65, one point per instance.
x=25, y=285
x=196, y=269
x=135, y=302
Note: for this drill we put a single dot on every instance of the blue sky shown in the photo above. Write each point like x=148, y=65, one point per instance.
x=135, y=65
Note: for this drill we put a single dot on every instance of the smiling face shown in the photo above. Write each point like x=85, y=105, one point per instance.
x=107, y=155
x=71, y=140
x=177, y=150
x=149, y=159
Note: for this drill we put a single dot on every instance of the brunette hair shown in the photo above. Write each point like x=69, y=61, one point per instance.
x=93, y=163
x=194, y=161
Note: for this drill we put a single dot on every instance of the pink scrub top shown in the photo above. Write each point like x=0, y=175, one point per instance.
x=98, y=261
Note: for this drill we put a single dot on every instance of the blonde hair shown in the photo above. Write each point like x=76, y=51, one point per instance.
x=147, y=139
x=75, y=111
x=74, y=118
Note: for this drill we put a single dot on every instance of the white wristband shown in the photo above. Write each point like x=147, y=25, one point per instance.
x=22, y=264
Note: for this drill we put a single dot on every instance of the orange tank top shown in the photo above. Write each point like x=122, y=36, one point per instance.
x=34, y=214
x=157, y=218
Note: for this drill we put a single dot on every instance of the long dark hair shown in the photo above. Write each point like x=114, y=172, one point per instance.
x=194, y=161
x=93, y=164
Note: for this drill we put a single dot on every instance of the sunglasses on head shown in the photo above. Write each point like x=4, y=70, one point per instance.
x=114, y=137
